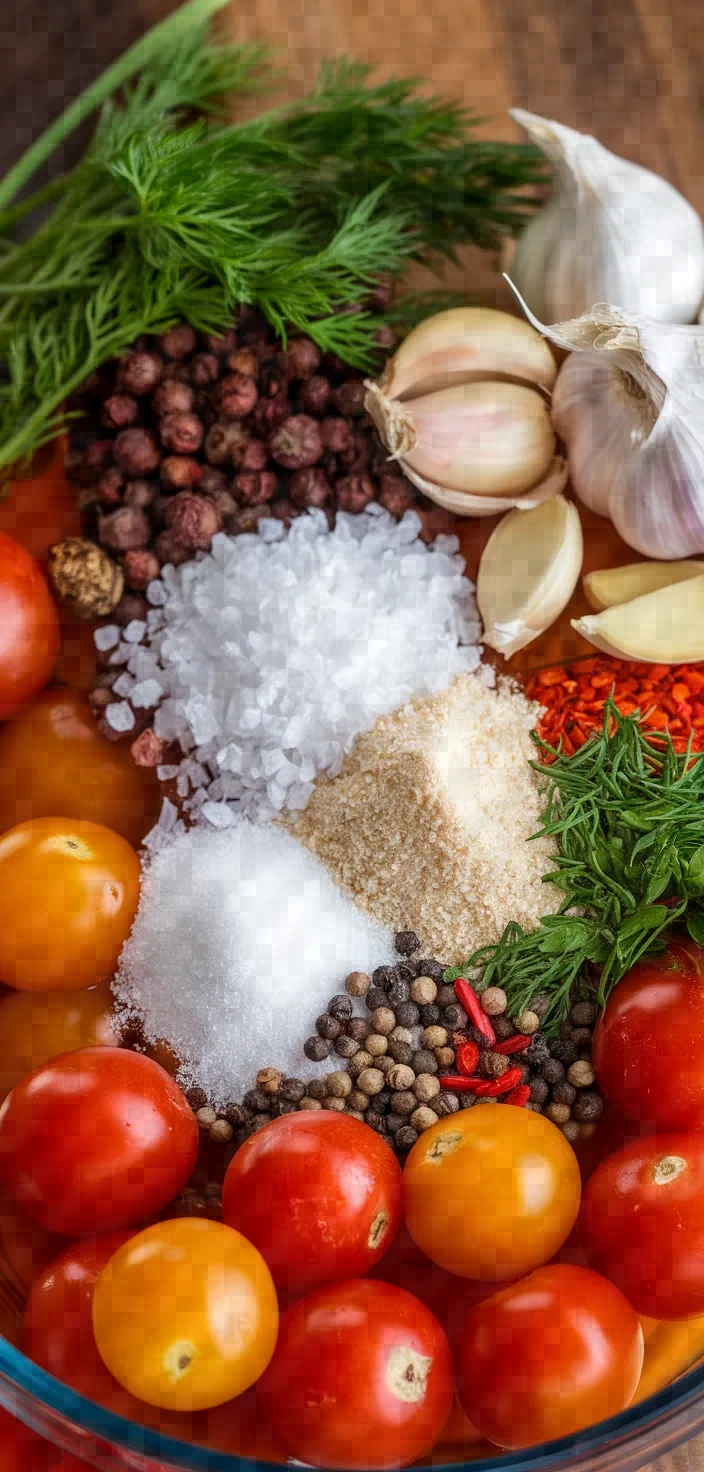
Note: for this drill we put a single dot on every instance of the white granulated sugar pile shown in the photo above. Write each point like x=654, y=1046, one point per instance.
x=274, y=651
x=241, y=939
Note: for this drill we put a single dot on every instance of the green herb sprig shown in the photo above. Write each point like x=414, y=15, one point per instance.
x=628, y=817
x=170, y=216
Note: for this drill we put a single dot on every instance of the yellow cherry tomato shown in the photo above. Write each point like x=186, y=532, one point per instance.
x=492, y=1192
x=69, y=892
x=185, y=1315
x=37, y=1026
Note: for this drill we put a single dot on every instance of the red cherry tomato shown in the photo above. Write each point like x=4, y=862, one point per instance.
x=648, y=1049
x=361, y=1377
x=643, y=1224
x=96, y=1140
x=24, y=1451
x=29, y=628
x=58, y=1323
x=318, y=1193
x=556, y=1352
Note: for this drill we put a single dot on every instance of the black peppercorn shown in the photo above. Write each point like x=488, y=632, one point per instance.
x=197, y=1098
x=317, y=1088
x=445, y=1103
x=292, y=1090
x=583, y=1014
x=405, y=971
x=399, y=992
x=564, y=1093
x=587, y=1107
x=503, y=1027
x=430, y=968
x=403, y=1102
x=383, y=976
x=358, y=1028
x=446, y=996
x=376, y=997
x=405, y=1138
x=406, y=942
x=317, y=1049
x=376, y=1122
x=346, y=1047
x=328, y=1027
x=552, y=1071
x=424, y=1061
x=394, y=1122
x=430, y=1014
x=257, y=1101
x=492, y=1065
x=539, y=1050
x=236, y=1115
x=565, y=1052
x=539, y=1090
x=381, y=1102
x=400, y=1052
x=407, y=1014
x=281, y=1106
x=581, y=1037
x=453, y=1017
x=340, y=1007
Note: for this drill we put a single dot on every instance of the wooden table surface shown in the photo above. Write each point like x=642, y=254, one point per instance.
x=628, y=70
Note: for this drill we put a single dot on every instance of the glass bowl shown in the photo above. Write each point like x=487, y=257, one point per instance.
x=108, y=1442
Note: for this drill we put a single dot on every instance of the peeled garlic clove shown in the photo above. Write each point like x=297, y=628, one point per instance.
x=452, y=346
x=622, y=584
x=665, y=627
x=488, y=438
x=464, y=504
x=611, y=231
x=528, y=573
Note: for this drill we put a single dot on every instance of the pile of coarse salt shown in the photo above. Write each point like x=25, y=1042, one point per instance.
x=270, y=654
x=240, y=940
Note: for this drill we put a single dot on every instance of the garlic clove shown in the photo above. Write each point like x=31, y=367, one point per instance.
x=664, y=627
x=489, y=438
x=616, y=585
x=610, y=231
x=453, y=346
x=528, y=573
x=462, y=503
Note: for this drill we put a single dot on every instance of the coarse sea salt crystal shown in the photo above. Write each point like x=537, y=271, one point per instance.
x=241, y=938
x=106, y=637
x=120, y=715
x=279, y=651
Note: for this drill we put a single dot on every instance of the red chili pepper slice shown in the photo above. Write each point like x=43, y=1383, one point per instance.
x=458, y=1083
x=518, y=1096
x=517, y=1044
x=467, y=1058
x=468, y=999
x=492, y=1088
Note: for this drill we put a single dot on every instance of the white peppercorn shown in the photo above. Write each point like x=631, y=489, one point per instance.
x=221, y=1132
x=527, y=1021
x=422, y=1118
x=354, y=1114
x=581, y=1074
x=571, y=1130
x=361, y=1060
x=426, y=1087
x=357, y=984
x=494, y=1001
x=385, y=1063
x=434, y=1037
x=424, y=990
x=383, y=1021
x=558, y=1113
x=269, y=1080
x=339, y=1084
x=404, y=1102
x=401, y=1077
x=376, y=1044
x=400, y=1052
x=333, y=1102
x=371, y=1081
x=357, y=1100
x=444, y=1057
x=401, y=1035
x=307, y=1103
x=206, y=1117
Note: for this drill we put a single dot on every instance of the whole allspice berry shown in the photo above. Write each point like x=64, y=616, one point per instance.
x=86, y=580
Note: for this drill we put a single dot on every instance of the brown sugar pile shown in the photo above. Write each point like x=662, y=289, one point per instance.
x=427, y=825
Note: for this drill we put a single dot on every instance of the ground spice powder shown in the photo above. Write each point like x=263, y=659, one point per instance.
x=428, y=823
x=669, y=697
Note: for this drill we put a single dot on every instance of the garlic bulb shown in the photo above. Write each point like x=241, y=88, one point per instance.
x=611, y=231
x=629, y=405
x=463, y=407
x=528, y=573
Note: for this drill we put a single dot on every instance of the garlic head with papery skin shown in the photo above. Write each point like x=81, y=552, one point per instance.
x=610, y=231
x=463, y=407
x=629, y=405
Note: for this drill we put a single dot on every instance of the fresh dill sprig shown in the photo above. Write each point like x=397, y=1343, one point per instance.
x=172, y=216
x=628, y=818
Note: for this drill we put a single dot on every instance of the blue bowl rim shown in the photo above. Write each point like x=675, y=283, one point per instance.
x=130, y=1436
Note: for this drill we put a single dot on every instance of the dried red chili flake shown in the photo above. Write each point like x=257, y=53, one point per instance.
x=467, y=1058
x=468, y=999
x=492, y=1088
x=517, y=1044
x=574, y=697
x=518, y=1096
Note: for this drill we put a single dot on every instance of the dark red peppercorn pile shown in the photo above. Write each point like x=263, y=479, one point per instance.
x=188, y=435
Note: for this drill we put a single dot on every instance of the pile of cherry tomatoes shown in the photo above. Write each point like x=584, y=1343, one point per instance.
x=340, y=1307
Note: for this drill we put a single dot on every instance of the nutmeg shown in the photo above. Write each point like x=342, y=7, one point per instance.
x=86, y=580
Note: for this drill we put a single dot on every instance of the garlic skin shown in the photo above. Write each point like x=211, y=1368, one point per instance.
x=629, y=405
x=611, y=231
x=462, y=503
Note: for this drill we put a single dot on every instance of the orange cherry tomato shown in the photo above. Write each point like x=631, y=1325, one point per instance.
x=55, y=764
x=68, y=895
x=556, y=1352
x=185, y=1314
x=37, y=1026
x=29, y=628
x=491, y=1192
